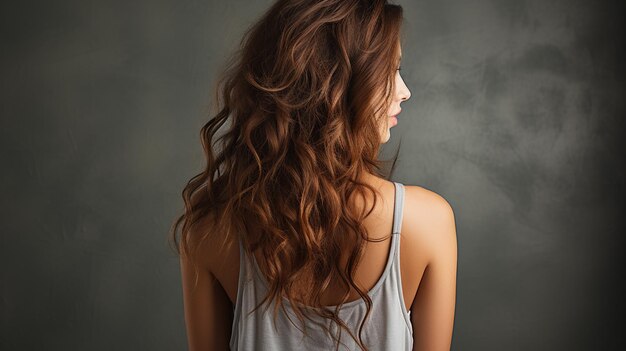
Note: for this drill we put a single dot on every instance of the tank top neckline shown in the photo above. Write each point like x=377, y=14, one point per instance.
x=396, y=222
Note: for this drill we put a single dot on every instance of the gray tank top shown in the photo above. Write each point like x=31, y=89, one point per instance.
x=387, y=328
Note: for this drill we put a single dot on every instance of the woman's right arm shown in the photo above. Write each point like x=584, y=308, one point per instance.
x=208, y=310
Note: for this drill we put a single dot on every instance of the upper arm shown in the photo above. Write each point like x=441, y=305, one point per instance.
x=432, y=311
x=208, y=310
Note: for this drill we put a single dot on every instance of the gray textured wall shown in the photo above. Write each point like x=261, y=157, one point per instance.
x=515, y=116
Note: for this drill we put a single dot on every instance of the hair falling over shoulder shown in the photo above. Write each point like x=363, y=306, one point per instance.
x=300, y=102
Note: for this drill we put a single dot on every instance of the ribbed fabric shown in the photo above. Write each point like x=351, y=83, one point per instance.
x=388, y=327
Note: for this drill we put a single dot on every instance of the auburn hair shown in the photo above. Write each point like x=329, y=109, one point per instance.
x=301, y=102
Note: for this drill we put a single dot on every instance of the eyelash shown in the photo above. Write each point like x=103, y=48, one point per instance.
x=399, y=69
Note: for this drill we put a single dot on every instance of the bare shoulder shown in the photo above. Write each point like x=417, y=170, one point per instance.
x=427, y=203
x=428, y=224
x=201, y=239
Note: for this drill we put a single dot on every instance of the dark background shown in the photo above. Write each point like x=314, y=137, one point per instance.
x=516, y=116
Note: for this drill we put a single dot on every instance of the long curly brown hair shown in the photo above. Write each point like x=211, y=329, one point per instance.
x=304, y=98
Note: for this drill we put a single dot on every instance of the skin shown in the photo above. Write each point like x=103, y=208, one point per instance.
x=401, y=94
x=428, y=265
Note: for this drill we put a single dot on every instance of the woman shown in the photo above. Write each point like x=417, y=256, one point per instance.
x=291, y=236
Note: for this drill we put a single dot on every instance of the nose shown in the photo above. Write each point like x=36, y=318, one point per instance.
x=403, y=93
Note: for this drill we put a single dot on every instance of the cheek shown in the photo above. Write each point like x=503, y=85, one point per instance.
x=385, y=125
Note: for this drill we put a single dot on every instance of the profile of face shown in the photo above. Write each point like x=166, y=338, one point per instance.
x=400, y=93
